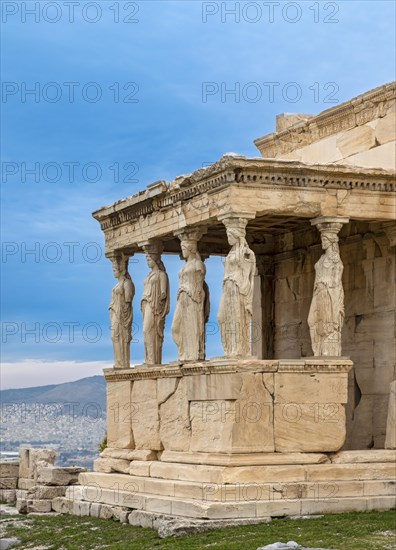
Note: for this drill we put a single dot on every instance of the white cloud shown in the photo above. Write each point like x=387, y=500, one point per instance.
x=32, y=372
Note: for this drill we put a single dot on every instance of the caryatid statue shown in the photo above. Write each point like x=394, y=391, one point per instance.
x=326, y=314
x=188, y=327
x=155, y=304
x=121, y=312
x=236, y=303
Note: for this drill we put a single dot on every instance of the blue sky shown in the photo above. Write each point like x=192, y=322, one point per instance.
x=151, y=122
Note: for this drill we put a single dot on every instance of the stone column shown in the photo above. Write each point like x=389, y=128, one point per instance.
x=121, y=311
x=188, y=327
x=263, y=309
x=236, y=303
x=155, y=303
x=326, y=314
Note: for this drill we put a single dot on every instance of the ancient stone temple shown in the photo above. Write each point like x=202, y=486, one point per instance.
x=293, y=418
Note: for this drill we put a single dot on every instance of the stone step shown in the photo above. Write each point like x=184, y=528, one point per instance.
x=273, y=473
x=125, y=486
x=252, y=459
x=233, y=509
x=354, y=457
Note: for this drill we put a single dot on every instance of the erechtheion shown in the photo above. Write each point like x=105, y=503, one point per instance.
x=296, y=420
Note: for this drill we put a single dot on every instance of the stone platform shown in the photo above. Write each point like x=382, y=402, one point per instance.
x=241, y=488
x=229, y=406
x=237, y=441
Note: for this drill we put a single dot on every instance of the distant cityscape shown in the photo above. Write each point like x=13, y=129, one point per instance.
x=74, y=430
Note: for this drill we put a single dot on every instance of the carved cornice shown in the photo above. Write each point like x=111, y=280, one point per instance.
x=348, y=115
x=239, y=170
x=227, y=366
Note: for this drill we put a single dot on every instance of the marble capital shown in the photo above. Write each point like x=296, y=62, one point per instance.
x=332, y=224
x=190, y=233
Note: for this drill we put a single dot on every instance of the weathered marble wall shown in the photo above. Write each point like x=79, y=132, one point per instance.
x=359, y=132
x=369, y=329
x=370, y=145
x=227, y=406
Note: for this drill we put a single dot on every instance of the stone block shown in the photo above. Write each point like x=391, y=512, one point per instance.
x=106, y=512
x=39, y=458
x=9, y=469
x=189, y=490
x=81, y=508
x=313, y=506
x=263, y=474
x=139, y=468
x=145, y=420
x=381, y=503
x=109, y=465
x=163, y=487
x=277, y=509
x=358, y=457
x=175, y=425
x=214, y=387
x=119, y=415
x=342, y=472
x=129, y=454
x=235, y=426
x=187, y=472
x=24, y=465
x=108, y=481
x=45, y=492
x=380, y=488
x=382, y=156
x=297, y=387
x=252, y=459
x=385, y=130
x=390, y=441
x=139, y=518
x=159, y=505
x=39, y=506
x=309, y=427
x=52, y=475
x=95, y=510
x=78, y=492
x=8, y=483
x=62, y=505
x=355, y=141
x=128, y=497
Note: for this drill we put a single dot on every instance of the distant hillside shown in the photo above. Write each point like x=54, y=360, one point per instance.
x=86, y=390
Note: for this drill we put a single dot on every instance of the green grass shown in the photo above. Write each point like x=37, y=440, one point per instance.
x=354, y=531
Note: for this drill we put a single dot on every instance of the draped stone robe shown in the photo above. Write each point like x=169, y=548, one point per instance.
x=326, y=314
x=236, y=304
x=121, y=317
x=188, y=326
x=155, y=306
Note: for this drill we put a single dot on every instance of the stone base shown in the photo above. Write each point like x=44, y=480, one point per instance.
x=231, y=406
x=273, y=485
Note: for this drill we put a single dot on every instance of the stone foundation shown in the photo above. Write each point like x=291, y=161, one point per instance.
x=238, y=488
x=196, y=445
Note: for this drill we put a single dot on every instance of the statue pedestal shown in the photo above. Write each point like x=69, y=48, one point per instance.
x=229, y=406
x=226, y=442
